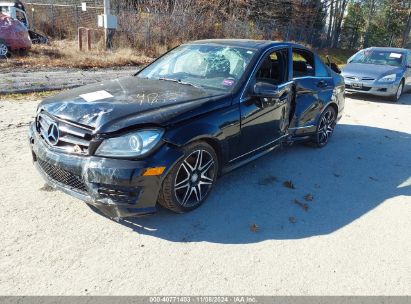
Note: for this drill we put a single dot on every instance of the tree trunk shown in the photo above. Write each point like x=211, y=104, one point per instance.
x=330, y=23
x=406, y=34
x=367, y=23
x=338, y=16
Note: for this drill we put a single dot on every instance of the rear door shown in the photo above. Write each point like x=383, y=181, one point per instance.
x=314, y=87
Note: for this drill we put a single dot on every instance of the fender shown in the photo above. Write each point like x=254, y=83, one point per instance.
x=221, y=129
x=187, y=133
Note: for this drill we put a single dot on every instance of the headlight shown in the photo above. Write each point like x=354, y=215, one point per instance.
x=388, y=78
x=131, y=144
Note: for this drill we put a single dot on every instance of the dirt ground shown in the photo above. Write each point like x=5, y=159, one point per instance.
x=23, y=80
x=253, y=235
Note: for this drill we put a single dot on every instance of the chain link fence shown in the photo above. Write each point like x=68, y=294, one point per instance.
x=61, y=19
x=156, y=27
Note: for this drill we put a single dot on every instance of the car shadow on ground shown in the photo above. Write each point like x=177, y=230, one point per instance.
x=405, y=98
x=361, y=168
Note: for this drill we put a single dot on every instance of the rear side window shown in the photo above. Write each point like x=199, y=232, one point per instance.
x=303, y=63
x=320, y=68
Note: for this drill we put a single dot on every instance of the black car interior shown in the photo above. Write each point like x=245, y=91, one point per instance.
x=273, y=70
x=303, y=63
x=218, y=66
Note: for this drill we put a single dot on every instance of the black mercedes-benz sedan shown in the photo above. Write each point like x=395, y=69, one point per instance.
x=166, y=133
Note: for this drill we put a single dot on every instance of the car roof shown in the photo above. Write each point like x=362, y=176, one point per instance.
x=247, y=43
x=388, y=49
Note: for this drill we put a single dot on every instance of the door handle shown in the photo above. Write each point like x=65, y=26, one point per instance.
x=322, y=84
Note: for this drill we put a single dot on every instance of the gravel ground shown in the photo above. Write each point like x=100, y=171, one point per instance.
x=27, y=81
x=251, y=237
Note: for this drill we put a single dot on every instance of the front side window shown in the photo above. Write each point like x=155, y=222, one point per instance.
x=378, y=57
x=209, y=66
x=274, y=68
x=21, y=17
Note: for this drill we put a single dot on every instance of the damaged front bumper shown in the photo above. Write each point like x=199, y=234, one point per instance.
x=116, y=187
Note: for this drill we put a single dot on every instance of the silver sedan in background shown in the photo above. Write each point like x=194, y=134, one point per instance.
x=379, y=71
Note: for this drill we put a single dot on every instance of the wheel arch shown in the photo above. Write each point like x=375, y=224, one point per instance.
x=204, y=132
x=334, y=105
x=216, y=145
x=330, y=104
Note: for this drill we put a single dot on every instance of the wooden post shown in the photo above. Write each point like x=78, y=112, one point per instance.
x=80, y=38
x=89, y=39
x=106, y=30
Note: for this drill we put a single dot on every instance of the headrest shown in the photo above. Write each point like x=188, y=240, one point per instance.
x=218, y=64
x=300, y=66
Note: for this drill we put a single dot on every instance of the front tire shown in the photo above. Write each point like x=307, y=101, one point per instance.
x=190, y=181
x=325, y=127
x=4, y=49
x=399, y=92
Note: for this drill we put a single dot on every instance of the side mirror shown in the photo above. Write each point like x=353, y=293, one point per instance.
x=264, y=89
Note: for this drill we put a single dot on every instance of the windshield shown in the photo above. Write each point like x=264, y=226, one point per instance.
x=207, y=66
x=378, y=57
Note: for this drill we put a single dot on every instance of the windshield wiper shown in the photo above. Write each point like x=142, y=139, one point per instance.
x=178, y=81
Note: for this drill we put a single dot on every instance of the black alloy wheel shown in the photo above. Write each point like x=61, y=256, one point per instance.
x=190, y=181
x=325, y=127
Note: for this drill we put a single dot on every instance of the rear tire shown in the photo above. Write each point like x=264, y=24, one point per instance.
x=191, y=180
x=325, y=127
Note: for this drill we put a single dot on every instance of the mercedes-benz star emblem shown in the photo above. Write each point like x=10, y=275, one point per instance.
x=53, y=134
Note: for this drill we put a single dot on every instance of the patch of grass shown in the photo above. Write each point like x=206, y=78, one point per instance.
x=27, y=96
x=338, y=56
x=65, y=54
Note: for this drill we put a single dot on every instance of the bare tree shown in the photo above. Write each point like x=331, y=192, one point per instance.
x=407, y=29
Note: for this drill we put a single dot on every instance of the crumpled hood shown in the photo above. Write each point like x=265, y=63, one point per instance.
x=369, y=70
x=116, y=104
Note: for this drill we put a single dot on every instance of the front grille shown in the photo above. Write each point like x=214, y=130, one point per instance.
x=72, y=138
x=363, y=88
x=119, y=195
x=62, y=176
x=359, y=78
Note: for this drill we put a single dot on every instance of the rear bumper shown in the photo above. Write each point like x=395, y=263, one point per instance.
x=116, y=187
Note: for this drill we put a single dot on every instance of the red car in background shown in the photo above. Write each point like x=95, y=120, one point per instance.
x=13, y=36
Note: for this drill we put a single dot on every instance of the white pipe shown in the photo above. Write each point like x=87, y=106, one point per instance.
x=106, y=7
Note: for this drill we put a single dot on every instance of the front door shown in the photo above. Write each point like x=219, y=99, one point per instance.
x=265, y=117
